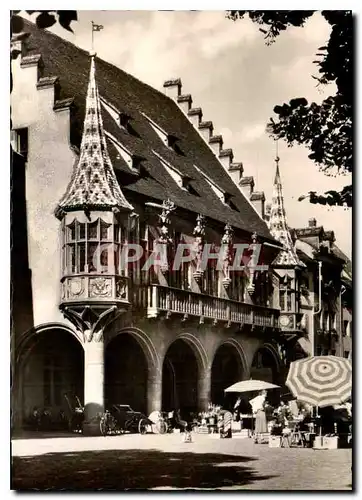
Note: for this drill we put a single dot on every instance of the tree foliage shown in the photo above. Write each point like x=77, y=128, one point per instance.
x=326, y=128
x=44, y=19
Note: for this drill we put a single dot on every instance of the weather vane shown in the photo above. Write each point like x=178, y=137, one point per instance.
x=95, y=27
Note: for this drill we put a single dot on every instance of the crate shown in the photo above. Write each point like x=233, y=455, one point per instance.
x=325, y=443
x=275, y=441
x=330, y=442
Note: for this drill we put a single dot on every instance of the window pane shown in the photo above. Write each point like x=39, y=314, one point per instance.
x=93, y=230
x=282, y=301
x=92, y=256
x=71, y=264
x=81, y=231
x=104, y=260
x=289, y=299
x=81, y=254
x=116, y=234
x=116, y=258
x=71, y=232
x=104, y=230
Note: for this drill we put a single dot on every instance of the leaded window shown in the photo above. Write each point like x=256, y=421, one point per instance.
x=92, y=247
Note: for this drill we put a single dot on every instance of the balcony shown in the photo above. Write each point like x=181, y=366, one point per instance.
x=157, y=299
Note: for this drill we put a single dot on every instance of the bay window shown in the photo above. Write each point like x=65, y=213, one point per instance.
x=92, y=247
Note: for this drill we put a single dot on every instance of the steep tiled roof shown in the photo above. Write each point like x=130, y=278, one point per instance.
x=279, y=228
x=130, y=96
x=93, y=184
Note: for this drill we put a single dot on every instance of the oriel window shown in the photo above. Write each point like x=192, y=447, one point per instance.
x=91, y=247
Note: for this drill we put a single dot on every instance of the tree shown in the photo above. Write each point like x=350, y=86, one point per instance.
x=44, y=19
x=326, y=128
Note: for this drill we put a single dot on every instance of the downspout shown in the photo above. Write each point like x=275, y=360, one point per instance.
x=320, y=301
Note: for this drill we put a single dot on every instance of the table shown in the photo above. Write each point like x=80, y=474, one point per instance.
x=249, y=419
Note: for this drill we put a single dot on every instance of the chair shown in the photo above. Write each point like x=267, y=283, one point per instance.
x=297, y=437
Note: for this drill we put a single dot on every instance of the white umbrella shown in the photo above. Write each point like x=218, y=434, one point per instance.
x=250, y=386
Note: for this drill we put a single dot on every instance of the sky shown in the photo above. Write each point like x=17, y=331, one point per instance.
x=237, y=80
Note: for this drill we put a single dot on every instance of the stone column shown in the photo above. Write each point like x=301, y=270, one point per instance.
x=93, y=384
x=154, y=390
x=204, y=392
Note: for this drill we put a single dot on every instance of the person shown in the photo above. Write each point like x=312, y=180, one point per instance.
x=179, y=422
x=225, y=431
x=283, y=413
x=258, y=406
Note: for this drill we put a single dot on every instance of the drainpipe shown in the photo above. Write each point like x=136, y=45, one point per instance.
x=320, y=301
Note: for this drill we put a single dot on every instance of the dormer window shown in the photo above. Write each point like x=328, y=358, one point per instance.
x=183, y=181
x=121, y=118
x=172, y=141
x=168, y=140
x=124, y=120
x=133, y=161
x=223, y=196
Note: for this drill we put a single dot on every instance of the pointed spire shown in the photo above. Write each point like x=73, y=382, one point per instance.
x=278, y=225
x=93, y=185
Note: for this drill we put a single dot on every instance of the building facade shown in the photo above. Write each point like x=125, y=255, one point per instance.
x=104, y=163
x=326, y=292
x=315, y=286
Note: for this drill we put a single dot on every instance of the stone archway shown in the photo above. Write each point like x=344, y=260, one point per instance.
x=180, y=377
x=266, y=366
x=126, y=372
x=227, y=368
x=50, y=365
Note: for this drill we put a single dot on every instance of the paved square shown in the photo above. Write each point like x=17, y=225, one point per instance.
x=165, y=462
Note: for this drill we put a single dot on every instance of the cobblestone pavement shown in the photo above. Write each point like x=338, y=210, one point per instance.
x=165, y=462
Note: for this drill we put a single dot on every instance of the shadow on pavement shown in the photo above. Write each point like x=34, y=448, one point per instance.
x=43, y=435
x=131, y=469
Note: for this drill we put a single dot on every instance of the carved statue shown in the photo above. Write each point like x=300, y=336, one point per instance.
x=226, y=244
x=167, y=207
x=252, y=264
x=199, y=233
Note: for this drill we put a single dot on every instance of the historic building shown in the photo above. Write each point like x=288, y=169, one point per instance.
x=315, y=286
x=326, y=292
x=104, y=163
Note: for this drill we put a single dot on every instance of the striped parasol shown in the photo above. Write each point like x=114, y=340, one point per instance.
x=321, y=380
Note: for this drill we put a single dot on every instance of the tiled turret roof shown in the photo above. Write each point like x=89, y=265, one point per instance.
x=93, y=184
x=279, y=228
